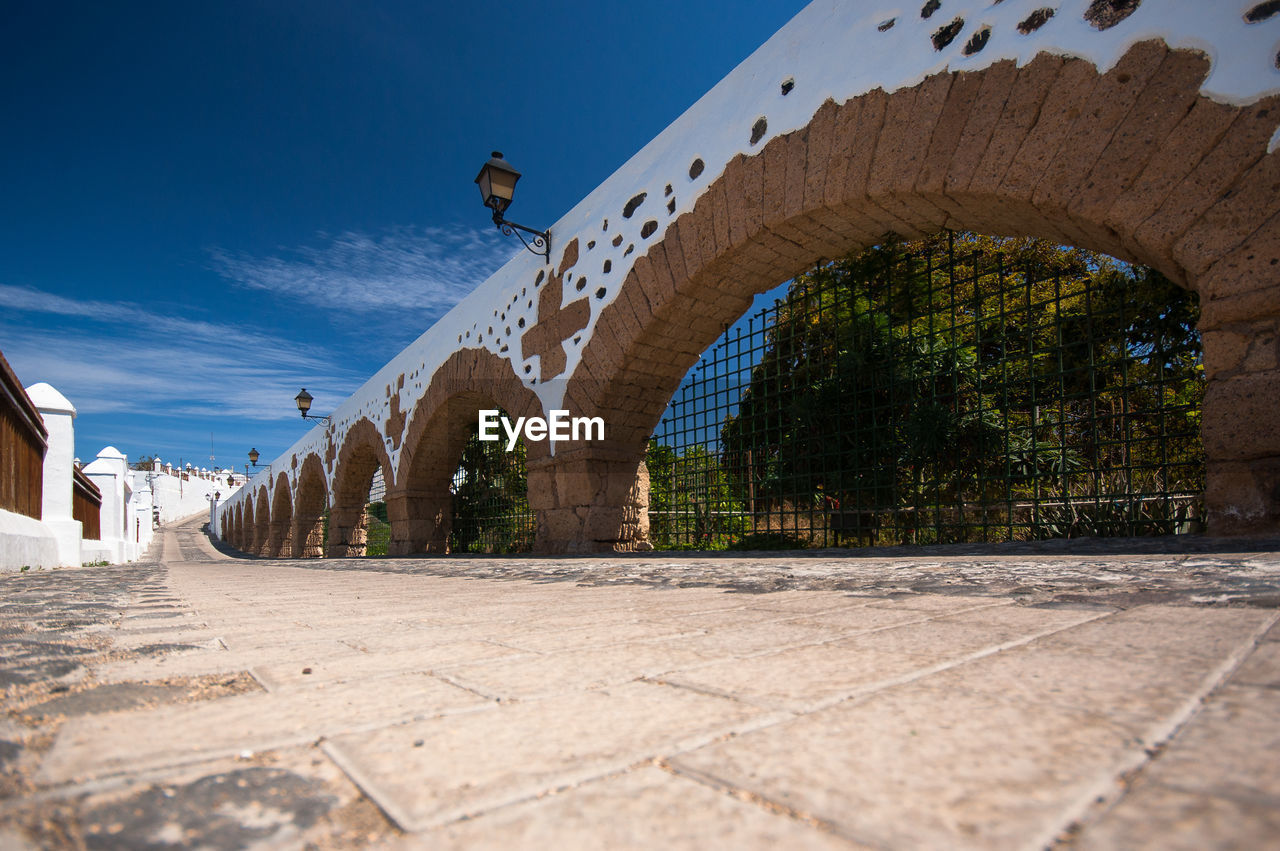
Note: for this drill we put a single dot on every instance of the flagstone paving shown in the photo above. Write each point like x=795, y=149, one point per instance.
x=1093, y=694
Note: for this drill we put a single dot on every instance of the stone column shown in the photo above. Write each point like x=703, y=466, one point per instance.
x=279, y=538
x=347, y=533
x=420, y=522
x=308, y=537
x=1241, y=420
x=591, y=498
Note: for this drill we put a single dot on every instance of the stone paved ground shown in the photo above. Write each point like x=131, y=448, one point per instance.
x=1097, y=695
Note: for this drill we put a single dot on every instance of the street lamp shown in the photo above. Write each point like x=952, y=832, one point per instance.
x=253, y=461
x=304, y=404
x=497, y=182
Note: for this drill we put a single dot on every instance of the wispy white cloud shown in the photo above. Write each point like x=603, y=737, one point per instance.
x=424, y=271
x=131, y=359
x=154, y=363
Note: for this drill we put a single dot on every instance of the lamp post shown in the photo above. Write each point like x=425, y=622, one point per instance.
x=497, y=182
x=304, y=405
x=253, y=461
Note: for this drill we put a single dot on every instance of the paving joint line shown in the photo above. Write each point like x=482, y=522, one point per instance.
x=1111, y=787
x=763, y=802
x=844, y=636
x=990, y=650
x=476, y=690
x=567, y=780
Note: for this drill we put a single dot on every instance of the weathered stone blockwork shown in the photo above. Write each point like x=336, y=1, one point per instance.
x=1052, y=149
x=1135, y=161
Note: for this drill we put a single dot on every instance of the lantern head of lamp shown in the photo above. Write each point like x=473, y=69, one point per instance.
x=304, y=405
x=253, y=462
x=497, y=182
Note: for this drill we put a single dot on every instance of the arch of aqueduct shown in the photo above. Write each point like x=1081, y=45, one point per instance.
x=1145, y=130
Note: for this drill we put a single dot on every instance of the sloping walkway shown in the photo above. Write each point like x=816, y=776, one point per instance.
x=989, y=698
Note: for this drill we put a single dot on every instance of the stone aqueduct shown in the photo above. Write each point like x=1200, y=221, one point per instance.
x=1144, y=130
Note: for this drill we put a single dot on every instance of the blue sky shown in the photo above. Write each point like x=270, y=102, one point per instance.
x=208, y=208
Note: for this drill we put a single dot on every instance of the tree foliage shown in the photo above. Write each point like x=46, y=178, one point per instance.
x=923, y=383
x=490, y=500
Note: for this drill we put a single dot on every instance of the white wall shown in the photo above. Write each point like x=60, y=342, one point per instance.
x=26, y=542
x=177, y=498
x=110, y=472
x=133, y=501
x=59, y=462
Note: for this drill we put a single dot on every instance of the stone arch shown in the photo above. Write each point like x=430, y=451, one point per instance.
x=280, y=530
x=247, y=530
x=224, y=526
x=262, y=526
x=311, y=498
x=420, y=505
x=1133, y=162
x=363, y=453
x=237, y=527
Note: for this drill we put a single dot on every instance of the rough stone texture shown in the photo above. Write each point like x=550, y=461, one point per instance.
x=362, y=454
x=902, y=148
x=555, y=325
x=1215, y=783
x=280, y=530
x=1220, y=167
x=1243, y=496
x=1239, y=416
x=1133, y=162
x=1171, y=93
x=645, y=808
x=1243, y=284
x=1242, y=348
x=1097, y=692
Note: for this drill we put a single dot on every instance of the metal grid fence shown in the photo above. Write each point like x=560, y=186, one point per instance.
x=491, y=511
x=956, y=389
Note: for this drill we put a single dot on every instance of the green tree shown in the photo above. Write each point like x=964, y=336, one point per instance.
x=490, y=500
x=914, y=380
x=146, y=462
x=692, y=501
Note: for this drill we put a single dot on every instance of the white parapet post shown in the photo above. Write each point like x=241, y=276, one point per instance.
x=141, y=512
x=59, y=462
x=109, y=471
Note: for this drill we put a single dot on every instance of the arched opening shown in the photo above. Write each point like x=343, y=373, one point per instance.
x=956, y=389
x=1133, y=163
x=279, y=537
x=237, y=527
x=310, y=509
x=249, y=529
x=490, y=489
x=421, y=505
x=262, y=528
x=351, y=516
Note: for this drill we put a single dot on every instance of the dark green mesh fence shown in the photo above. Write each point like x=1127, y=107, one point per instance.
x=956, y=389
x=490, y=500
